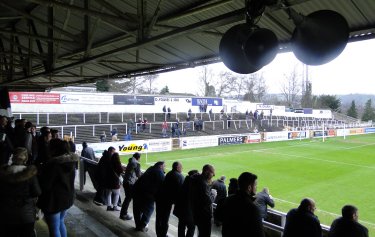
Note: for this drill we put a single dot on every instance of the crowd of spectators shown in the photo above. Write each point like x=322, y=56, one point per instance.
x=37, y=171
x=240, y=210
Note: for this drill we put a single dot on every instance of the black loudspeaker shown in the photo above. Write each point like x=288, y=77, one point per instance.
x=261, y=47
x=319, y=37
x=231, y=52
x=245, y=50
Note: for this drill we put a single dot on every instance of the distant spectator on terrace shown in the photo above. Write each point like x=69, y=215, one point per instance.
x=114, y=134
x=251, y=115
x=229, y=119
x=189, y=113
x=144, y=125
x=164, y=109
x=103, y=137
x=169, y=113
x=247, y=114
x=139, y=124
x=130, y=125
x=262, y=200
x=176, y=128
x=256, y=115
x=347, y=225
x=221, y=113
x=164, y=128
x=210, y=113
x=261, y=115
x=301, y=221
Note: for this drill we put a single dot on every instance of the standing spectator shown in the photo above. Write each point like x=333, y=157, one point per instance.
x=210, y=113
x=28, y=140
x=221, y=113
x=57, y=183
x=20, y=188
x=262, y=200
x=238, y=213
x=301, y=221
x=347, y=225
x=87, y=151
x=164, y=128
x=103, y=137
x=34, y=146
x=256, y=115
x=112, y=182
x=114, y=134
x=6, y=145
x=43, y=146
x=182, y=208
x=177, y=128
x=145, y=190
x=144, y=125
x=164, y=109
x=130, y=125
x=72, y=145
x=169, y=113
x=202, y=197
x=219, y=186
x=55, y=133
x=139, y=124
x=166, y=197
x=261, y=115
x=229, y=119
x=247, y=114
x=189, y=113
x=101, y=170
x=132, y=173
x=251, y=115
x=233, y=186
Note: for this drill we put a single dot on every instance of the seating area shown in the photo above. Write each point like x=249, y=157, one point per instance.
x=89, y=126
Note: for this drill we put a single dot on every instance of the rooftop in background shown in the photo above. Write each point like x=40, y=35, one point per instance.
x=54, y=43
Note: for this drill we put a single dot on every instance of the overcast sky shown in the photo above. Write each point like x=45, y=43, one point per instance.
x=351, y=72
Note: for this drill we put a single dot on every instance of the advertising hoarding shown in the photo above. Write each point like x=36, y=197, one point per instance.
x=198, y=142
x=232, y=139
x=90, y=99
x=275, y=136
x=34, y=98
x=133, y=100
x=207, y=101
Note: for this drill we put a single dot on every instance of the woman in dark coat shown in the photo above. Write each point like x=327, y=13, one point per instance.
x=112, y=183
x=57, y=182
x=19, y=189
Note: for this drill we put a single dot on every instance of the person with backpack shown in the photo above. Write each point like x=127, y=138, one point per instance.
x=132, y=173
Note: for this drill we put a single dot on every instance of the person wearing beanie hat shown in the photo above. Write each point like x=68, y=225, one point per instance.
x=19, y=189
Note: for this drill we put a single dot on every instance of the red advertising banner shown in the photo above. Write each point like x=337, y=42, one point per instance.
x=34, y=98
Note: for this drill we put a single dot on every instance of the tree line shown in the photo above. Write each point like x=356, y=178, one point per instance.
x=294, y=91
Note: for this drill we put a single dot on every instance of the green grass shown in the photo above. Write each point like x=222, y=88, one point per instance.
x=334, y=173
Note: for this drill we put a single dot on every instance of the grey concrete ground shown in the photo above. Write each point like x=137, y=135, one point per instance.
x=89, y=220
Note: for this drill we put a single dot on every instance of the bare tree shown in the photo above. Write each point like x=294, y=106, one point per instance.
x=291, y=87
x=148, y=83
x=224, y=85
x=131, y=85
x=206, y=78
x=255, y=87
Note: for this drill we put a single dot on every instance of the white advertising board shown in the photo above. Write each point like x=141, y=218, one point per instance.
x=93, y=99
x=198, y=142
x=159, y=145
x=275, y=136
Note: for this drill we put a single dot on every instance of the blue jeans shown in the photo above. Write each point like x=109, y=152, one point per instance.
x=56, y=224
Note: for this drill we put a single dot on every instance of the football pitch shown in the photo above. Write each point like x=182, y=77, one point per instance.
x=335, y=172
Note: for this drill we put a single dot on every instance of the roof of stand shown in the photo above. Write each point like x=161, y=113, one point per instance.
x=54, y=43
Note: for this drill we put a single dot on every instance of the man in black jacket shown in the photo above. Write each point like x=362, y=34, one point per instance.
x=347, y=225
x=262, y=199
x=219, y=186
x=202, y=198
x=166, y=197
x=132, y=173
x=238, y=213
x=301, y=221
